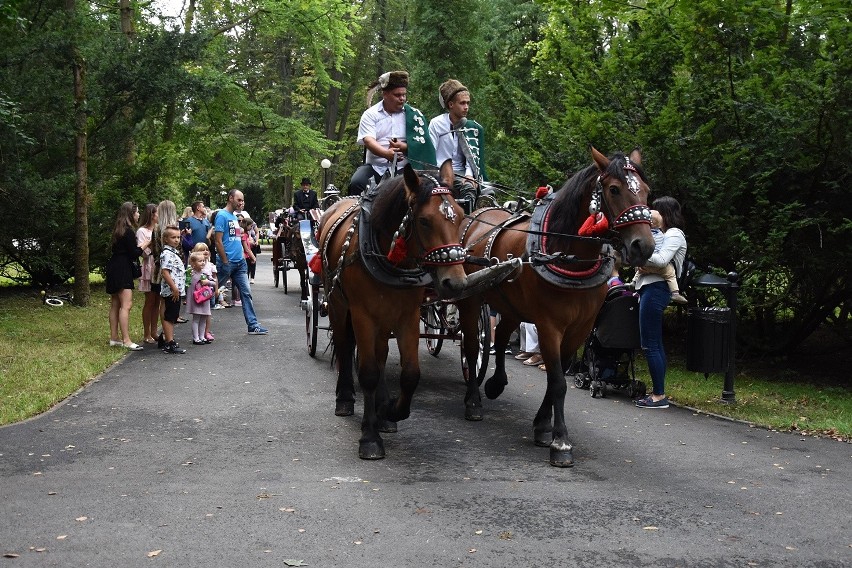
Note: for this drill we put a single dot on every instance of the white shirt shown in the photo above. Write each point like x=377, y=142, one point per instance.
x=383, y=126
x=447, y=144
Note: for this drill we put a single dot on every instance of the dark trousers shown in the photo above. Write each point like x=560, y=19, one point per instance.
x=361, y=179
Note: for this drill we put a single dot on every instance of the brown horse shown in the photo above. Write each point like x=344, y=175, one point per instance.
x=418, y=215
x=563, y=283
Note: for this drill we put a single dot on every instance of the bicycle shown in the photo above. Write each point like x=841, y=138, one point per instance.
x=56, y=299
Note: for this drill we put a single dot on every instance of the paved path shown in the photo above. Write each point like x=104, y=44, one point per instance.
x=231, y=456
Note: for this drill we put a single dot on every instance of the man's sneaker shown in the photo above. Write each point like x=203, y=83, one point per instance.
x=257, y=330
x=679, y=298
x=649, y=402
x=173, y=348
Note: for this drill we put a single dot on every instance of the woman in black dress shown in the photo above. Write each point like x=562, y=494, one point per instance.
x=119, y=275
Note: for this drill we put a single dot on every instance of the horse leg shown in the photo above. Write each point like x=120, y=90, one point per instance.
x=370, y=445
x=469, y=318
x=495, y=385
x=386, y=425
x=344, y=349
x=408, y=339
x=561, y=451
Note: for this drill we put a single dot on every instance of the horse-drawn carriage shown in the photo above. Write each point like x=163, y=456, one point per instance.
x=380, y=254
x=288, y=250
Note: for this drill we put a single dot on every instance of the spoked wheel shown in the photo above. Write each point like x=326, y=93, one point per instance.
x=284, y=267
x=311, y=306
x=316, y=302
x=431, y=324
x=483, y=338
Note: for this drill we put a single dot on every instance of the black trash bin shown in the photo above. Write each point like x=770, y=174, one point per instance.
x=708, y=340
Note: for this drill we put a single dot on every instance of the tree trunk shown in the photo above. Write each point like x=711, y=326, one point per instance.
x=285, y=107
x=82, y=290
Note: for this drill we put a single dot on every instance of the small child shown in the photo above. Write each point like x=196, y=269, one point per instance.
x=210, y=270
x=200, y=310
x=173, y=287
x=667, y=272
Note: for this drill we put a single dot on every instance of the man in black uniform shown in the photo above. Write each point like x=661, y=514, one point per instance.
x=305, y=199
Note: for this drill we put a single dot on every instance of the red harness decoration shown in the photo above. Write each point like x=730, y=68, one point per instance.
x=593, y=226
x=399, y=252
x=541, y=192
x=315, y=264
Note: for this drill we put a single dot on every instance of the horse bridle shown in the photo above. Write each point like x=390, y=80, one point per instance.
x=630, y=216
x=442, y=255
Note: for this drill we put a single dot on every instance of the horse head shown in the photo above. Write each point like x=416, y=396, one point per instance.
x=621, y=195
x=434, y=219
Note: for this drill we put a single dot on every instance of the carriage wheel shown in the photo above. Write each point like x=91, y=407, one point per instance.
x=483, y=337
x=310, y=316
x=430, y=323
x=285, y=266
x=315, y=305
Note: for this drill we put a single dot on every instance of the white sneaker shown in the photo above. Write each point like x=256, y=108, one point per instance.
x=218, y=307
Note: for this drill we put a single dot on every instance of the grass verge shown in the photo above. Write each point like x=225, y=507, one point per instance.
x=46, y=354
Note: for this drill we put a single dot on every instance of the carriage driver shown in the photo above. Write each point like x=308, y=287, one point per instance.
x=391, y=129
x=461, y=140
x=305, y=199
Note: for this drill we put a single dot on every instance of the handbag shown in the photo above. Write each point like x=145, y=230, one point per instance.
x=202, y=293
x=136, y=267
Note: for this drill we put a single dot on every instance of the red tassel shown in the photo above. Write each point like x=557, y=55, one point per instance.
x=594, y=225
x=315, y=264
x=541, y=192
x=399, y=251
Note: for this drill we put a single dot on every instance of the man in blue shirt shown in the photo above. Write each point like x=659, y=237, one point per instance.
x=198, y=223
x=230, y=261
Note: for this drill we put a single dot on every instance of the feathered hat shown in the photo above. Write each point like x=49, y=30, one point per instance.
x=386, y=82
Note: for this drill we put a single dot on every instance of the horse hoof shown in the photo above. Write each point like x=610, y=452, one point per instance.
x=387, y=427
x=561, y=458
x=543, y=439
x=473, y=413
x=371, y=450
x=493, y=388
x=344, y=408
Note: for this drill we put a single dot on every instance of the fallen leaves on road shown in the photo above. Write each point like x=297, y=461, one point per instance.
x=154, y=553
x=81, y=519
x=650, y=528
x=294, y=562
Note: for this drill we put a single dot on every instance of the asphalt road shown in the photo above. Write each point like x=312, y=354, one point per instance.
x=231, y=456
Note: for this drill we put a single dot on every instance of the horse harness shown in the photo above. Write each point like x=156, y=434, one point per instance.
x=375, y=261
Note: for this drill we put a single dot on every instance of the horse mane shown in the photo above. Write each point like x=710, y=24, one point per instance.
x=390, y=205
x=565, y=215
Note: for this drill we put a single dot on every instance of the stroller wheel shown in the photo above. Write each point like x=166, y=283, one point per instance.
x=581, y=381
x=595, y=389
x=640, y=390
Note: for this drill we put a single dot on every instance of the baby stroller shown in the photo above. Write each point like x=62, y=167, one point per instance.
x=609, y=351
